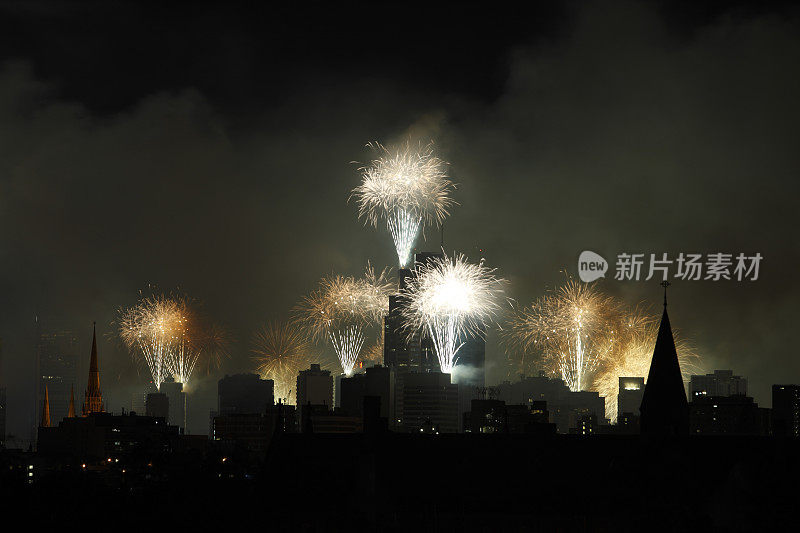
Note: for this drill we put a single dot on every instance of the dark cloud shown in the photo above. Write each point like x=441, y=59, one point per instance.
x=617, y=132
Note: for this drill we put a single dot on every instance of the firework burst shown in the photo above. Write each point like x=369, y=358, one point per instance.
x=281, y=350
x=588, y=339
x=171, y=337
x=340, y=310
x=451, y=299
x=572, y=329
x=406, y=187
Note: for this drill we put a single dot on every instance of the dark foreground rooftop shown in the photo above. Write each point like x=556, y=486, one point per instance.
x=400, y=482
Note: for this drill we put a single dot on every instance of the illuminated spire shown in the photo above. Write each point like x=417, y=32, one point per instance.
x=71, y=413
x=46, y=409
x=93, y=402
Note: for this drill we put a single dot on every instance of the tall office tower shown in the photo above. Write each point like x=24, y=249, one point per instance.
x=244, y=394
x=430, y=403
x=93, y=398
x=56, y=369
x=315, y=387
x=720, y=383
x=138, y=403
x=786, y=410
x=177, y=402
x=629, y=397
x=157, y=405
x=2, y=417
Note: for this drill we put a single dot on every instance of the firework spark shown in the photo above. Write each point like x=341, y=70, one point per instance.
x=169, y=334
x=573, y=329
x=281, y=350
x=340, y=310
x=407, y=187
x=451, y=299
x=588, y=339
x=149, y=330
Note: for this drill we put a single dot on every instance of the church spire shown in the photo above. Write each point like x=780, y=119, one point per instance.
x=46, y=409
x=93, y=402
x=71, y=413
x=664, y=409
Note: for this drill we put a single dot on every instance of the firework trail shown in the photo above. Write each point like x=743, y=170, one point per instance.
x=589, y=340
x=340, y=310
x=451, y=299
x=281, y=350
x=406, y=187
x=169, y=334
x=573, y=329
x=149, y=330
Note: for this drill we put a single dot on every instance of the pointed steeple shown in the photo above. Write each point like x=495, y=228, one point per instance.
x=93, y=402
x=664, y=409
x=71, y=413
x=46, y=409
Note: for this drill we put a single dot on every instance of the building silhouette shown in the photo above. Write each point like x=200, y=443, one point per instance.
x=157, y=405
x=720, y=383
x=727, y=415
x=56, y=370
x=93, y=398
x=786, y=410
x=430, y=403
x=314, y=387
x=176, y=399
x=565, y=406
x=244, y=393
x=664, y=410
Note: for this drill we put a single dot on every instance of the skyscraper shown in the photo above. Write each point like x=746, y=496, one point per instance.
x=786, y=410
x=56, y=370
x=176, y=400
x=664, y=409
x=93, y=398
x=629, y=397
x=430, y=403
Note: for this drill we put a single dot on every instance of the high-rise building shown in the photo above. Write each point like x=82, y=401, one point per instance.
x=93, y=398
x=177, y=402
x=244, y=394
x=629, y=398
x=430, y=403
x=720, y=383
x=664, y=410
x=138, y=402
x=157, y=405
x=315, y=387
x=727, y=415
x=786, y=410
x=56, y=369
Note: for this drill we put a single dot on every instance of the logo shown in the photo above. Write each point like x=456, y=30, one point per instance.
x=591, y=266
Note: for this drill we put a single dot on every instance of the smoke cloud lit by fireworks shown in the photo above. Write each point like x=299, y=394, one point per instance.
x=451, y=299
x=341, y=309
x=407, y=187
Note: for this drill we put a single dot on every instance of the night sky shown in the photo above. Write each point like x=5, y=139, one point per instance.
x=209, y=148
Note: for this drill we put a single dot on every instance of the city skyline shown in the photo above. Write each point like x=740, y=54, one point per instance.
x=537, y=184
